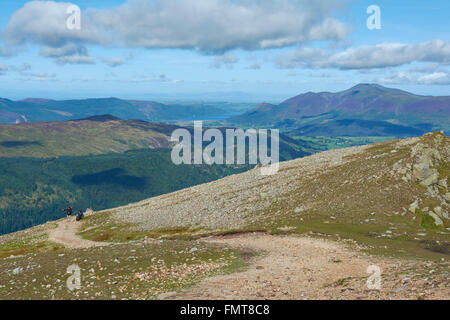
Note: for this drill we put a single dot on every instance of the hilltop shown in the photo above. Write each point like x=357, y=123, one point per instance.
x=90, y=136
x=325, y=218
x=403, y=113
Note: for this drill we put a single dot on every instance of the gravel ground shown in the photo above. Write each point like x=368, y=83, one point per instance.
x=231, y=202
x=66, y=234
x=309, y=268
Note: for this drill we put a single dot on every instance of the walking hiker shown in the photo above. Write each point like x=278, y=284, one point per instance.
x=68, y=211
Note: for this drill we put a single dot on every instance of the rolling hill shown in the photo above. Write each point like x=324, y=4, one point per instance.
x=95, y=135
x=369, y=102
x=100, y=134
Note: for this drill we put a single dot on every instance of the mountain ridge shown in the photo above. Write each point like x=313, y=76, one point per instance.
x=47, y=110
x=362, y=102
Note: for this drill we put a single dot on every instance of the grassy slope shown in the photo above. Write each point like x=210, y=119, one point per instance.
x=77, y=138
x=354, y=207
x=137, y=270
x=36, y=190
x=358, y=200
x=323, y=143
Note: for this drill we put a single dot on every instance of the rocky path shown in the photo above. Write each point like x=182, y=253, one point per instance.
x=294, y=267
x=66, y=234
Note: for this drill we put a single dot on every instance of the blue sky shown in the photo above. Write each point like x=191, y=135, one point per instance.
x=217, y=49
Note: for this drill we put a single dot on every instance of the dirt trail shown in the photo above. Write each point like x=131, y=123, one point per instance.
x=301, y=268
x=66, y=234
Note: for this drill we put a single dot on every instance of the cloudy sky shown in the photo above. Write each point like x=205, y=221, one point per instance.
x=259, y=50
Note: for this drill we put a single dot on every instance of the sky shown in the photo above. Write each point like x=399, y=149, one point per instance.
x=235, y=50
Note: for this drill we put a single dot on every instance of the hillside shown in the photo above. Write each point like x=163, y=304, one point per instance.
x=362, y=102
x=99, y=162
x=100, y=134
x=35, y=190
x=95, y=135
x=355, y=128
x=325, y=218
x=361, y=188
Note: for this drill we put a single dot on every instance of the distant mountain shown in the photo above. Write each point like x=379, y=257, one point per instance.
x=363, y=102
x=36, y=100
x=37, y=110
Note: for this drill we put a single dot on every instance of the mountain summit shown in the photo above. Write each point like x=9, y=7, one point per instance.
x=363, y=101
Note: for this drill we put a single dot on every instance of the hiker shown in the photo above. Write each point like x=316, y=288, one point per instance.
x=80, y=215
x=69, y=211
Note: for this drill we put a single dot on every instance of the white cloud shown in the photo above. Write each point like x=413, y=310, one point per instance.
x=68, y=54
x=435, y=78
x=162, y=77
x=303, y=57
x=39, y=76
x=220, y=25
x=392, y=55
x=204, y=25
x=63, y=51
x=21, y=68
x=74, y=59
x=44, y=22
x=114, y=62
x=24, y=72
x=368, y=57
x=226, y=59
x=430, y=67
x=254, y=66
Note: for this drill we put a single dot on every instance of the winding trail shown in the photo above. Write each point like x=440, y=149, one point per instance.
x=294, y=267
x=289, y=268
x=66, y=234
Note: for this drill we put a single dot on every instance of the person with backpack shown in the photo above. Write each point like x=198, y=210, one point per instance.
x=68, y=211
x=80, y=215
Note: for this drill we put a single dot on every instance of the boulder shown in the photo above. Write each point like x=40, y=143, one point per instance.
x=437, y=220
x=414, y=206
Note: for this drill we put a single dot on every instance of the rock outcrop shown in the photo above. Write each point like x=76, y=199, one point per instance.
x=427, y=156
